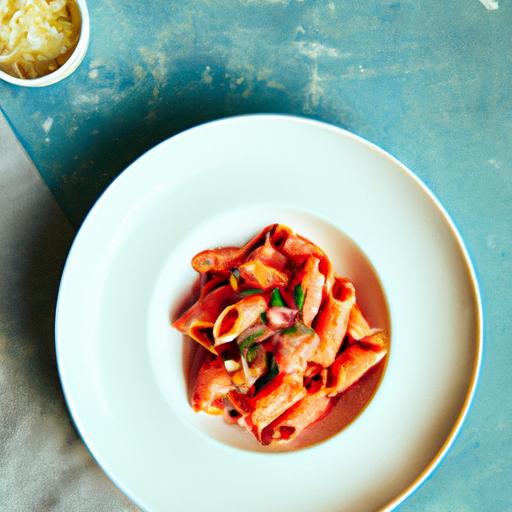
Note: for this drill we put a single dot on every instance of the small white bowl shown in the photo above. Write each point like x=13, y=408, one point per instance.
x=69, y=66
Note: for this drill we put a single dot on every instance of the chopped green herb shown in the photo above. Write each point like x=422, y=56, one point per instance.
x=236, y=273
x=276, y=300
x=298, y=295
x=290, y=330
x=252, y=351
x=263, y=317
x=247, y=342
x=272, y=372
x=251, y=291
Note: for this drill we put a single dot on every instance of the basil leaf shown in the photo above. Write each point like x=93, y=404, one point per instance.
x=276, y=300
x=249, y=340
x=251, y=291
x=252, y=351
x=272, y=372
x=263, y=317
x=298, y=295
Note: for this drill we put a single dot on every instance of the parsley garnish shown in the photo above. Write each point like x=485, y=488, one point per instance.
x=252, y=352
x=275, y=299
x=251, y=291
x=247, y=342
x=298, y=295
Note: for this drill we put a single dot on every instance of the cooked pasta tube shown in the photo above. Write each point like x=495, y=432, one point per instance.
x=236, y=318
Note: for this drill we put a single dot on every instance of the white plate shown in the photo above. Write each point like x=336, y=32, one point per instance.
x=121, y=364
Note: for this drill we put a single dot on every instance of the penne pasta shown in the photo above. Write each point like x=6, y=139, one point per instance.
x=269, y=406
x=210, y=283
x=332, y=321
x=236, y=318
x=211, y=386
x=268, y=255
x=285, y=334
x=256, y=273
x=377, y=339
x=358, y=327
x=313, y=283
x=298, y=248
x=226, y=258
x=351, y=365
x=198, y=321
x=294, y=348
x=297, y=418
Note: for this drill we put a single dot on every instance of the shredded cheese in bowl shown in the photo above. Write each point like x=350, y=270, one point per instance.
x=37, y=36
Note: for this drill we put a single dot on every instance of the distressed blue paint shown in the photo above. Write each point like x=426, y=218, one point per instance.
x=428, y=81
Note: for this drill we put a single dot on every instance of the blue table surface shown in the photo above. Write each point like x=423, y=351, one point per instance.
x=430, y=82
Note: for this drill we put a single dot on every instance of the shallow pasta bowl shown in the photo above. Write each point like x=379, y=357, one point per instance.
x=121, y=364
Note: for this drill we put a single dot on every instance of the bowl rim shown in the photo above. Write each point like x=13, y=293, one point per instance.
x=74, y=60
x=478, y=309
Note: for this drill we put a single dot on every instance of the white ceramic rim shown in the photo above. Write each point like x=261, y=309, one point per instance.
x=450, y=439
x=75, y=59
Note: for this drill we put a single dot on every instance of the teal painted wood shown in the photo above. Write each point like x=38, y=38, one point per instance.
x=427, y=81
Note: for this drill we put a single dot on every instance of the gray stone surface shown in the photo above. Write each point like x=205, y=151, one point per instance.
x=43, y=464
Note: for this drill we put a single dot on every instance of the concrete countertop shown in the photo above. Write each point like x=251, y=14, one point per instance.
x=427, y=81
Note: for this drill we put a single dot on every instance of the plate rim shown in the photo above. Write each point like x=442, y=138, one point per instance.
x=125, y=174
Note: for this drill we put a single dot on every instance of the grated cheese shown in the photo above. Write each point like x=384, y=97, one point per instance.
x=37, y=36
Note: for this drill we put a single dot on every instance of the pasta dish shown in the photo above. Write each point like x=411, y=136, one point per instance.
x=283, y=334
